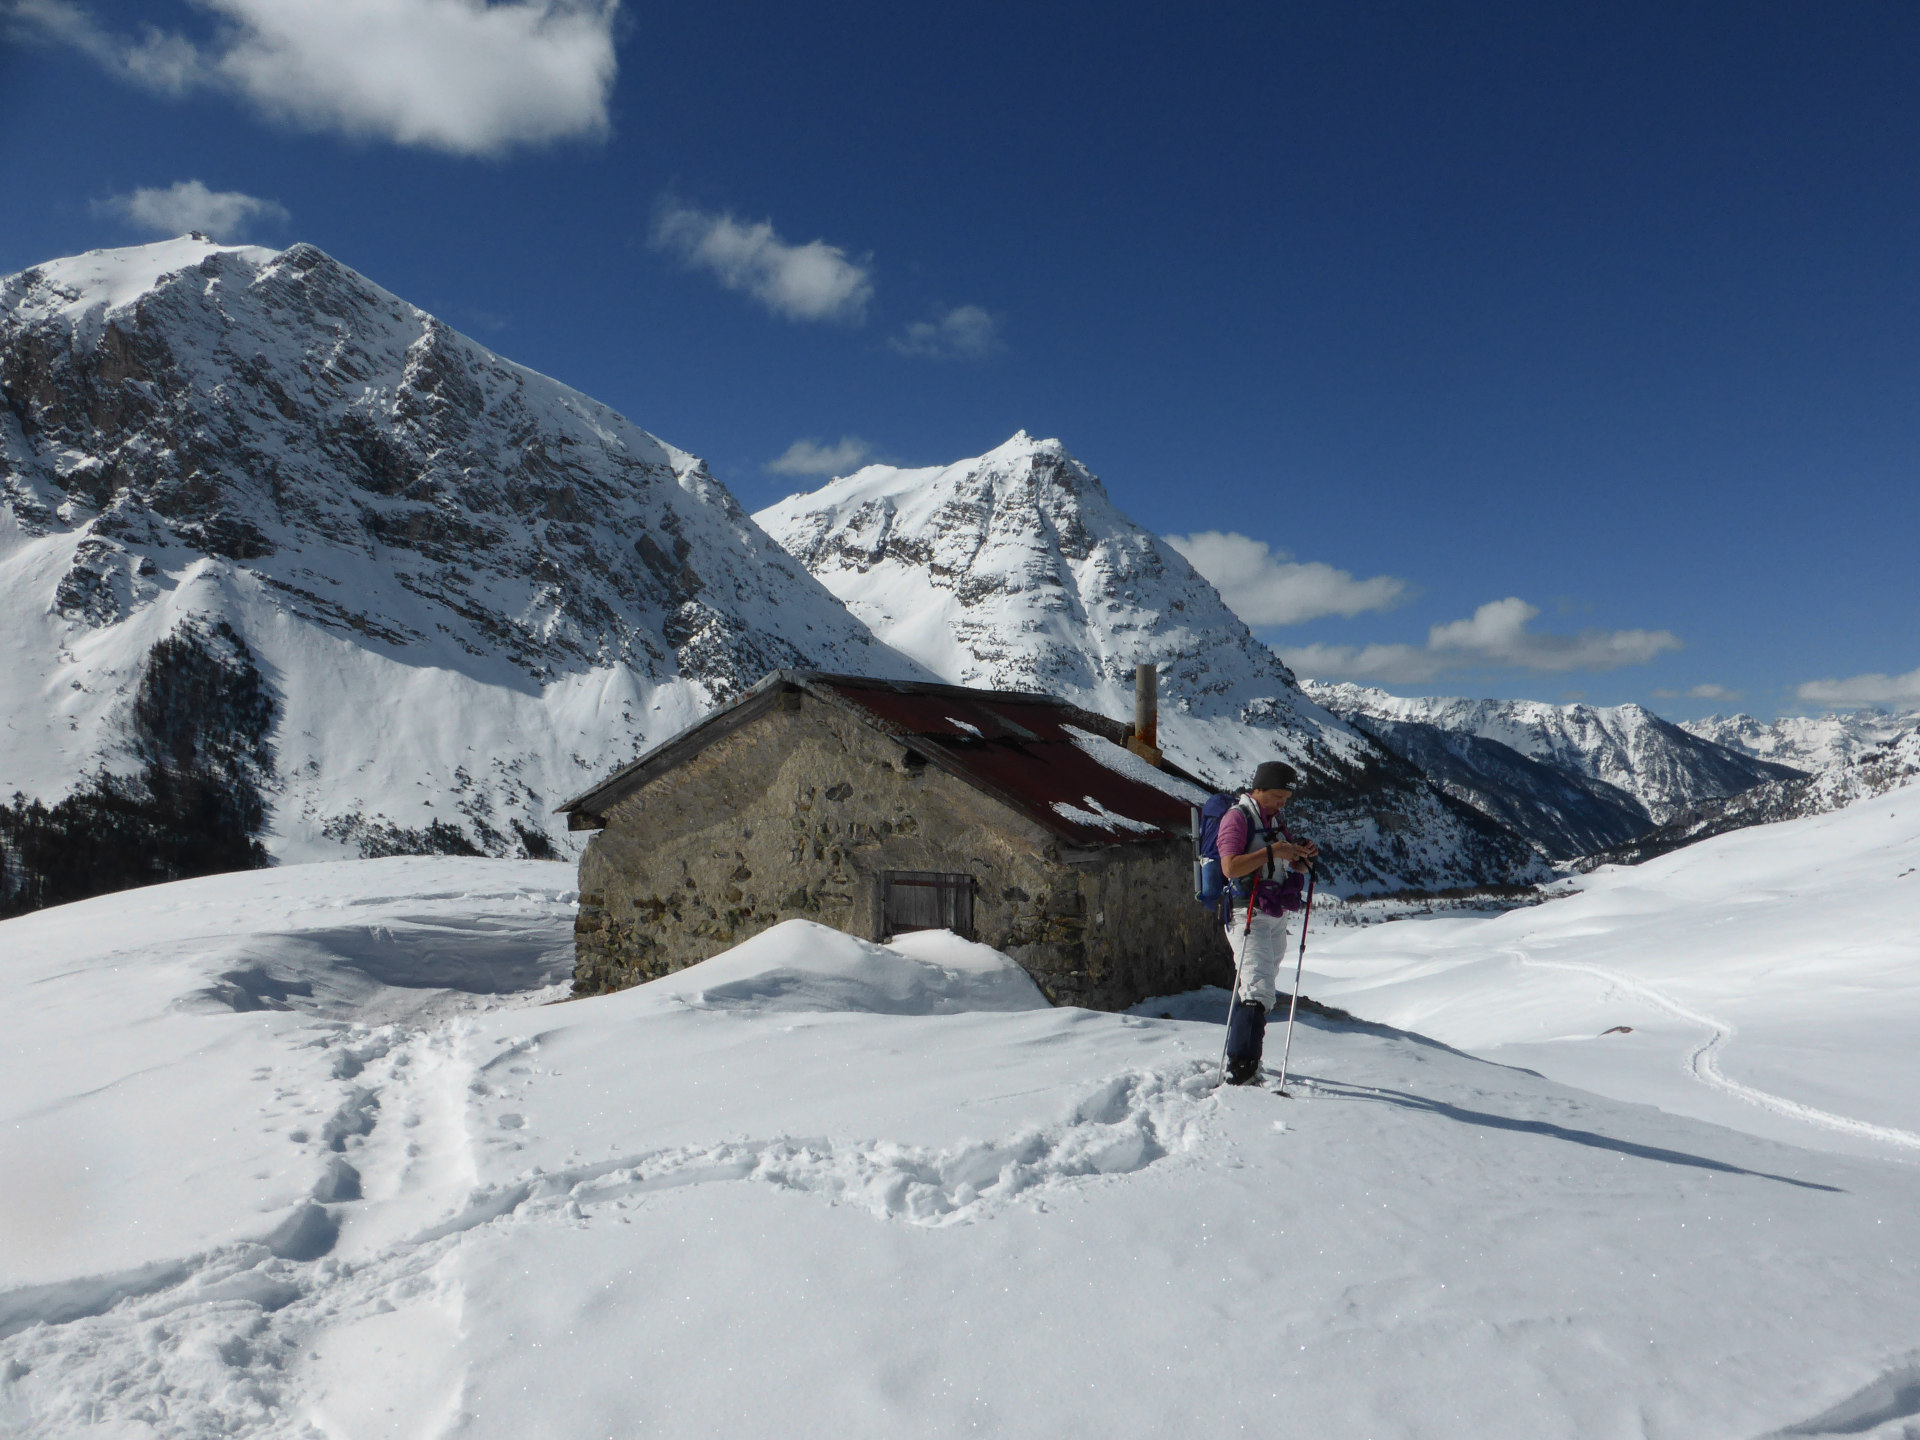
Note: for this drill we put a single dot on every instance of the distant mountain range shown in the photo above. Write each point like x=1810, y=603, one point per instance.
x=288, y=563
x=1572, y=778
x=1868, y=773
x=1807, y=742
x=265, y=523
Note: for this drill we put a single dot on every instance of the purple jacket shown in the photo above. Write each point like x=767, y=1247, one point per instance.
x=1279, y=895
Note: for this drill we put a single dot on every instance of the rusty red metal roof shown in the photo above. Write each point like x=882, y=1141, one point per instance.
x=1065, y=768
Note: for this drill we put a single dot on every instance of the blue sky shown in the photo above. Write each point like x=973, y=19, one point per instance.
x=1549, y=350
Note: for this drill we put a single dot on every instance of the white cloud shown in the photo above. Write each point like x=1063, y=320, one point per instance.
x=1269, y=587
x=1496, y=635
x=464, y=76
x=815, y=281
x=1864, y=690
x=1713, y=692
x=1389, y=664
x=812, y=457
x=160, y=61
x=189, y=205
x=965, y=332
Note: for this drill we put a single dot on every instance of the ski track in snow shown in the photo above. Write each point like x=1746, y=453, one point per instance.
x=234, y=1339
x=1703, y=1061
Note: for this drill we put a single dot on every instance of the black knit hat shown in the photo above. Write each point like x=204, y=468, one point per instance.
x=1275, y=775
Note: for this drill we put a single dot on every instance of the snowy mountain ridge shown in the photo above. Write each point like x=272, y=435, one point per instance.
x=1015, y=569
x=468, y=586
x=1894, y=765
x=1808, y=742
x=1633, y=752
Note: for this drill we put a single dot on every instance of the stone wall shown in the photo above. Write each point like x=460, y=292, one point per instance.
x=796, y=814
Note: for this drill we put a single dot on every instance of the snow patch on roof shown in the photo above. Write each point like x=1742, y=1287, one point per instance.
x=1124, y=762
x=1100, y=817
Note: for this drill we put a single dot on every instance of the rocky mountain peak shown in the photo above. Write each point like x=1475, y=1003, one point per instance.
x=275, y=408
x=1015, y=569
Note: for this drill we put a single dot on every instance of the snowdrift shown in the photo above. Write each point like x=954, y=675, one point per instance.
x=801, y=966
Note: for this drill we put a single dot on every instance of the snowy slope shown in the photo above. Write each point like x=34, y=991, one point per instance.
x=468, y=586
x=1015, y=570
x=817, y=1187
x=1770, y=978
x=1630, y=750
x=1808, y=742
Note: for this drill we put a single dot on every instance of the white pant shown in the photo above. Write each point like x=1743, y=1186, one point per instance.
x=1258, y=955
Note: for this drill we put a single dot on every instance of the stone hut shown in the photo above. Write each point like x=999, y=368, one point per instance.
x=877, y=807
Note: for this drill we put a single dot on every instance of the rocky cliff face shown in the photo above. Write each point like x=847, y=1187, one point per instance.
x=1015, y=570
x=469, y=588
x=1631, y=751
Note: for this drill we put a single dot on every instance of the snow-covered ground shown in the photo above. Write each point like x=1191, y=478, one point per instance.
x=819, y=1187
x=1769, y=980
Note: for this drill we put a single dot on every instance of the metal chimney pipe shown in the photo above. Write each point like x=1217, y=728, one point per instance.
x=1146, y=705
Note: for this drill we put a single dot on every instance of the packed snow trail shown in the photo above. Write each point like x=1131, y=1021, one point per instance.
x=1703, y=1061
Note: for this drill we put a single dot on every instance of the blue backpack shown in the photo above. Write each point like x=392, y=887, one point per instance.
x=1210, y=885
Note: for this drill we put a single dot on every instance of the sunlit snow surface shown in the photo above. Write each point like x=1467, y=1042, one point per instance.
x=1768, y=979
x=820, y=1187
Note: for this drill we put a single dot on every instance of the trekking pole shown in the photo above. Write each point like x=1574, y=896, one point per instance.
x=1313, y=875
x=1227, y=1039
x=1233, y=995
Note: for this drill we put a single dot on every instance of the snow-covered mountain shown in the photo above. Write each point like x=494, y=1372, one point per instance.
x=455, y=587
x=1014, y=569
x=1565, y=813
x=1634, y=753
x=1894, y=765
x=1807, y=742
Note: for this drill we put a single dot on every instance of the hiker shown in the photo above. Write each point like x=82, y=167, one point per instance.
x=1252, y=843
